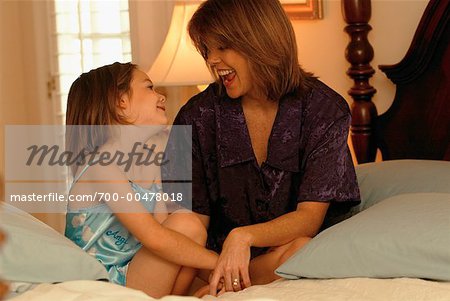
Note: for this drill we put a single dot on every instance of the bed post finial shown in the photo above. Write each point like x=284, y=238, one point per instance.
x=359, y=53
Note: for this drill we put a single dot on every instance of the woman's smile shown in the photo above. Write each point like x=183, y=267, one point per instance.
x=227, y=76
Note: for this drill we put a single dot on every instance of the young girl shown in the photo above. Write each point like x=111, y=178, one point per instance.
x=115, y=110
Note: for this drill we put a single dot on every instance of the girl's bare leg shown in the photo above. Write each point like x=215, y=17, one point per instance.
x=262, y=268
x=156, y=276
x=184, y=281
x=203, y=291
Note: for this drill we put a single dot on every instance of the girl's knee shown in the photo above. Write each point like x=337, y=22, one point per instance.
x=188, y=224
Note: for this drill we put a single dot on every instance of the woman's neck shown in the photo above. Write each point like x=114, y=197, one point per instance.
x=262, y=104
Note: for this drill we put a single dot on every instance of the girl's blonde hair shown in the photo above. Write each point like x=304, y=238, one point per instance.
x=258, y=29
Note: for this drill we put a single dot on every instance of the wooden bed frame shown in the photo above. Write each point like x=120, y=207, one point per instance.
x=417, y=125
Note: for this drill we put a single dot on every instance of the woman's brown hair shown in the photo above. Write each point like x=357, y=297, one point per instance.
x=92, y=105
x=258, y=29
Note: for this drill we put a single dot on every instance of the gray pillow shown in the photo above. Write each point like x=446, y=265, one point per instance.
x=378, y=181
x=34, y=252
x=406, y=235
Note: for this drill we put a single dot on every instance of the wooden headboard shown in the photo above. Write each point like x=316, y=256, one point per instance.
x=417, y=125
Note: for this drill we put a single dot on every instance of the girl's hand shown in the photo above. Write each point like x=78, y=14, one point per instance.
x=232, y=264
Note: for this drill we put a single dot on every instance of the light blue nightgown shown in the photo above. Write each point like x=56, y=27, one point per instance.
x=98, y=232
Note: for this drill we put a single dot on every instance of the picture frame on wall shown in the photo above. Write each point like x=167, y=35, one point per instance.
x=303, y=9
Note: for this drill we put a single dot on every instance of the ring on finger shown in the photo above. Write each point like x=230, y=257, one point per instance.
x=235, y=282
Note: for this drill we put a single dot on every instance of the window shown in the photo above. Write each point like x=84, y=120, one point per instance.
x=87, y=34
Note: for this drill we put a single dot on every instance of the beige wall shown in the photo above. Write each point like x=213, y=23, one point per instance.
x=13, y=101
x=24, y=61
x=24, y=66
x=24, y=72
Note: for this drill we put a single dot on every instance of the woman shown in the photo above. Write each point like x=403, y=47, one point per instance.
x=114, y=110
x=269, y=141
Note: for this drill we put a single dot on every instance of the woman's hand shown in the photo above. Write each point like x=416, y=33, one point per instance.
x=232, y=264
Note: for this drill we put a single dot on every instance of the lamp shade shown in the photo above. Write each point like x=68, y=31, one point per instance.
x=178, y=63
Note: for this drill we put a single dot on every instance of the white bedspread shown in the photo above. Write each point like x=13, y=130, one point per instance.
x=356, y=289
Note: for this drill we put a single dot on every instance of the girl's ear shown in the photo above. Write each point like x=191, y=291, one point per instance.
x=123, y=102
x=123, y=107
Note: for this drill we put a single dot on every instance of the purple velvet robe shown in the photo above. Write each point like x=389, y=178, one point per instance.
x=308, y=159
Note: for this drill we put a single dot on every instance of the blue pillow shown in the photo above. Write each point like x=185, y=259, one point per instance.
x=36, y=253
x=378, y=181
x=407, y=235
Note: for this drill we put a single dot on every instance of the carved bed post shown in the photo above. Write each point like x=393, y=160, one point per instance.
x=359, y=53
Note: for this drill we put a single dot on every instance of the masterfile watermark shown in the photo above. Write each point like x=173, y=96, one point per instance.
x=97, y=197
x=42, y=163
x=52, y=155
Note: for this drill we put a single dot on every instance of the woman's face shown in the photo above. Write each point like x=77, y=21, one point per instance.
x=145, y=106
x=233, y=69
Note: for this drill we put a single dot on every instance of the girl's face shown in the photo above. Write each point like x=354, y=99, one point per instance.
x=144, y=106
x=234, y=71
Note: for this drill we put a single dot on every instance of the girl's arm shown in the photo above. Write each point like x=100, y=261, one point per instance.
x=165, y=243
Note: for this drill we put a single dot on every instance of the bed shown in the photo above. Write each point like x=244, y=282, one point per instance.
x=394, y=246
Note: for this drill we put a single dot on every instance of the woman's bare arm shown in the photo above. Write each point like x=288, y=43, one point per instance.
x=304, y=222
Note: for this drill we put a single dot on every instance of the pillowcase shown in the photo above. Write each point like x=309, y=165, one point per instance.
x=378, y=181
x=34, y=252
x=403, y=236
